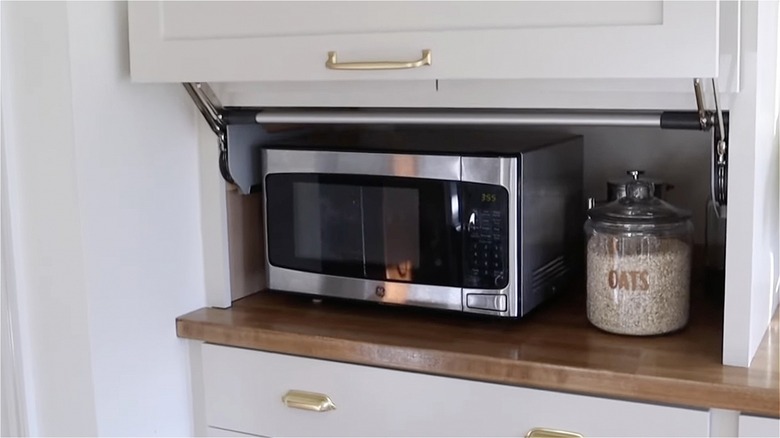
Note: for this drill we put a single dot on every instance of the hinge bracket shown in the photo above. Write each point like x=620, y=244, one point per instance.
x=210, y=107
x=719, y=156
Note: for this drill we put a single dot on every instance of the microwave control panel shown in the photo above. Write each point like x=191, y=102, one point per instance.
x=486, y=236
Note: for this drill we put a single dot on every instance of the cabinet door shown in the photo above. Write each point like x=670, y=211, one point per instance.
x=289, y=41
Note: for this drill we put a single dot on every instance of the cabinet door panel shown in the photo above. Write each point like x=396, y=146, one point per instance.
x=244, y=390
x=183, y=20
x=267, y=41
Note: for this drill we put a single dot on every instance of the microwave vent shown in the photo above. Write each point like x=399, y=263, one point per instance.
x=548, y=274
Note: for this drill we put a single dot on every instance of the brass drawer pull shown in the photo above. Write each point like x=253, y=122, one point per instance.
x=333, y=64
x=541, y=432
x=309, y=401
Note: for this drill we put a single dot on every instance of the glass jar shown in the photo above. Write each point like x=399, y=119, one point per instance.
x=638, y=264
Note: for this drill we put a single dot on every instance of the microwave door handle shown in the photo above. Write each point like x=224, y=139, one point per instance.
x=455, y=206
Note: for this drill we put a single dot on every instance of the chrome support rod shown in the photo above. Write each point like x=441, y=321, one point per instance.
x=209, y=106
x=536, y=118
x=703, y=120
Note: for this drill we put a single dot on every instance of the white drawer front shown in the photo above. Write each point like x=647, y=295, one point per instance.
x=244, y=390
x=751, y=426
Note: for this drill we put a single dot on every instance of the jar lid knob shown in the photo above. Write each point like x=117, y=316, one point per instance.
x=635, y=173
x=639, y=189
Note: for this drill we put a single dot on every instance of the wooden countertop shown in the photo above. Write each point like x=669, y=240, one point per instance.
x=553, y=348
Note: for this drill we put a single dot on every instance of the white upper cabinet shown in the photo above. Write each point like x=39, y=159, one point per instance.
x=290, y=41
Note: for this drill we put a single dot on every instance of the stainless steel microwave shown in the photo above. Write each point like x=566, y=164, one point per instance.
x=484, y=224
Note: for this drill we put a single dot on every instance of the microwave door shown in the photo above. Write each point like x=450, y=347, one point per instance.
x=404, y=232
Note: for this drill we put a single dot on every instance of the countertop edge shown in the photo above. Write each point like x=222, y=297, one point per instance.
x=537, y=375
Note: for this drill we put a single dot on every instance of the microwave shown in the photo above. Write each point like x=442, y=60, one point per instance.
x=466, y=221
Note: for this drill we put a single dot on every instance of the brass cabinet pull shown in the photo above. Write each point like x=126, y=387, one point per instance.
x=541, y=432
x=309, y=401
x=333, y=64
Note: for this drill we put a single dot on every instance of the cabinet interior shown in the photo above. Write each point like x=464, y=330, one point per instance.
x=679, y=158
x=246, y=246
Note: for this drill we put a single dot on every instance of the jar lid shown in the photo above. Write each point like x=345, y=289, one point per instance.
x=633, y=175
x=639, y=206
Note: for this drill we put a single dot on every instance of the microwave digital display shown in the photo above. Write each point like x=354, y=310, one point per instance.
x=489, y=197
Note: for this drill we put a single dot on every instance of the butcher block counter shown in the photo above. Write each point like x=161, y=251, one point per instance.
x=553, y=348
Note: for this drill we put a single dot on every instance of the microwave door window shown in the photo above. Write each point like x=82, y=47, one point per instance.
x=308, y=221
x=381, y=228
x=440, y=236
x=411, y=232
x=314, y=226
x=328, y=223
x=393, y=230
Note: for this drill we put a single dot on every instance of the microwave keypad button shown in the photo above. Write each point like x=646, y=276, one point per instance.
x=486, y=256
x=486, y=302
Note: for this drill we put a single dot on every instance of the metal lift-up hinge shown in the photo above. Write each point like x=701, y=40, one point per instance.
x=242, y=131
x=211, y=109
x=719, y=155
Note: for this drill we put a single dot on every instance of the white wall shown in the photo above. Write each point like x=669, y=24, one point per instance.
x=104, y=220
x=12, y=422
x=48, y=257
